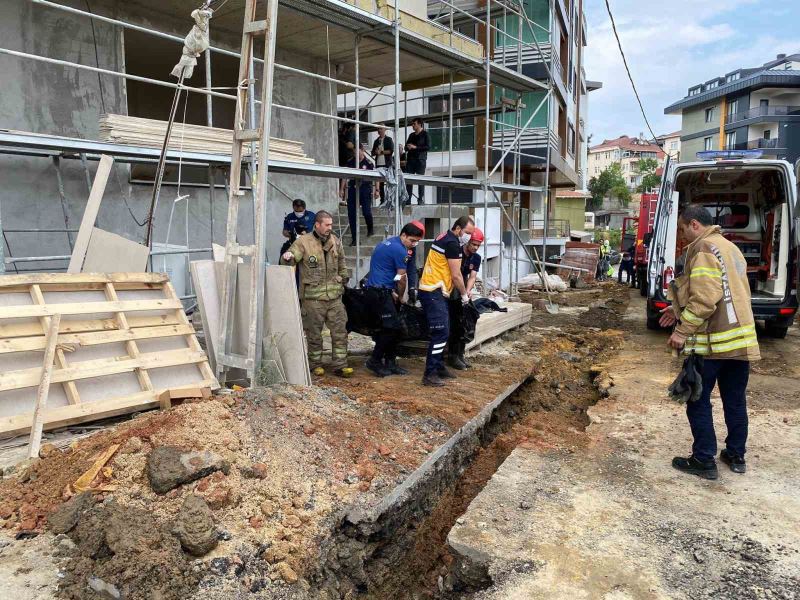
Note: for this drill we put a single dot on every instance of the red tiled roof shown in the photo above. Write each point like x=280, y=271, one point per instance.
x=573, y=194
x=627, y=143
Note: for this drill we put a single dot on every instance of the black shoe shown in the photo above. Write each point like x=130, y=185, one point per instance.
x=433, y=380
x=695, y=467
x=352, y=242
x=736, y=463
x=377, y=368
x=394, y=368
x=370, y=232
x=445, y=373
x=463, y=359
x=456, y=363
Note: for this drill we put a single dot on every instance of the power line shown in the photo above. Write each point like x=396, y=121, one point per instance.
x=627, y=69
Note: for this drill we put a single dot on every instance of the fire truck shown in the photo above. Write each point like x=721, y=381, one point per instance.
x=637, y=231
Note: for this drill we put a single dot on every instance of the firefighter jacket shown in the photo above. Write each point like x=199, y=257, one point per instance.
x=322, y=266
x=712, y=300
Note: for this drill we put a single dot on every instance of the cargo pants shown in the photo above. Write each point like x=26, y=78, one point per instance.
x=316, y=314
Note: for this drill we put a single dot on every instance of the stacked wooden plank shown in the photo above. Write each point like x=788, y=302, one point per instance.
x=583, y=255
x=149, y=133
x=123, y=340
x=493, y=324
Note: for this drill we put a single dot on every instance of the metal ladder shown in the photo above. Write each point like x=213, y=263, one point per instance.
x=255, y=133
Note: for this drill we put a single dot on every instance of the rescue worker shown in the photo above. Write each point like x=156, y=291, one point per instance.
x=626, y=266
x=442, y=274
x=296, y=223
x=320, y=259
x=604, y=262
x=385, y=287
x=470, y=265
x=713, y=318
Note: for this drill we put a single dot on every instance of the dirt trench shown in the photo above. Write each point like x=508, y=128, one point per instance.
x=406, y=556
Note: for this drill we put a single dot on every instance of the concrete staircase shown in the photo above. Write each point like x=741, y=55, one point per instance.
x=381, y=222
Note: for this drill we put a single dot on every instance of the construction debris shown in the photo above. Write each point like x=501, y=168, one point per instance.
x=168, y=467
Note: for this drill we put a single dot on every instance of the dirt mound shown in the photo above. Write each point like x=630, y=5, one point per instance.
x=126, y=549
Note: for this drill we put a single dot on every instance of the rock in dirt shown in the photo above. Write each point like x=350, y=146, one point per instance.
x=47, y=450
x=169, y=466
x=103, y=589
x=255, y=471
x=286, y=572
x=126, y=547
x=194, y=527
x=66, y=516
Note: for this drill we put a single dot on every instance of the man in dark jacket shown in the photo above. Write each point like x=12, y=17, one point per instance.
x=383, y=153
x=417, y=147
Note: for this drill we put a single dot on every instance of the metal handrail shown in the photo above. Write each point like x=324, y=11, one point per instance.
x=762, y=111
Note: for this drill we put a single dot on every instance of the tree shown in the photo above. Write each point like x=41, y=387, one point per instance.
x=647, y=168
x=609, y=183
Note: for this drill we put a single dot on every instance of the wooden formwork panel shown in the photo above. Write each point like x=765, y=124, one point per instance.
x=123, y=340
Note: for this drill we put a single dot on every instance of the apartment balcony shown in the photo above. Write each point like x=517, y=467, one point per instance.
x=759, y=144
x=763, y=112
x=509, y=55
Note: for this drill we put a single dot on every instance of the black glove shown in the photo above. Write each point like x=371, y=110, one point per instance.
x=412, y=296
x=688, y=385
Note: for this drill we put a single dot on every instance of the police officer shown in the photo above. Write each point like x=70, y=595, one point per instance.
x=386, y=286
x=297, y=222
x=441, y=275
x=470, y=265
x=323, y=274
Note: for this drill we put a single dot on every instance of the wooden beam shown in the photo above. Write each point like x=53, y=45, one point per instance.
x=72, y=281
x=90, y=214
x=34, y=343
x=23, y=378
x=70, y=389
x=35, y=440
x=88, y=308
x=130, y=346
x=22, y=330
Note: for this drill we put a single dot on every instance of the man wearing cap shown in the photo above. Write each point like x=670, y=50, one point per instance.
x=386, y=285
x=296, y=223
x=470, y=265
x=441, y=275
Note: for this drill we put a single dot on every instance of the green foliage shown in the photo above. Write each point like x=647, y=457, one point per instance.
x=614, y=237
x=647, y=168
x=609, y=183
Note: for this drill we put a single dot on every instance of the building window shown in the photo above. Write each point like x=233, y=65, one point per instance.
x=712, y=85
x=730, y=141
x=673, y=145
x=708, y=143
x=571, y=139
x=460, y=195
x=767, y=134
x=695, y=91
x=733, y=77
x=463, y=129
x=710, y=115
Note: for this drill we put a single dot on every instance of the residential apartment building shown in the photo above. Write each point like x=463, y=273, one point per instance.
x=749, y=108
x=671, y=144
x=627, y=152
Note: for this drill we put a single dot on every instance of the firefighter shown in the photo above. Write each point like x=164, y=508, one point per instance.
x=442, y=274
x=713, y=318
x=385, y=288
x=323, y=275
x=470, y=265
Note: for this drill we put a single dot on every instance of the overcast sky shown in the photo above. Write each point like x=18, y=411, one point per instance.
x=672, y=45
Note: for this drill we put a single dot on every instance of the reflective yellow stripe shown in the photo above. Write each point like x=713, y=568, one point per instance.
x=699, y=338
x=696, y=349
x=713, y=273
x=690, y=317
x=744, y=342
x=732, y=333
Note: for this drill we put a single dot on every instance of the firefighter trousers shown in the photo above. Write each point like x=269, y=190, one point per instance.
x=316, y=314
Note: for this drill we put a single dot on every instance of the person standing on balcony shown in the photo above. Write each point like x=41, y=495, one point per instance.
x=383, y=153
x=417, y=146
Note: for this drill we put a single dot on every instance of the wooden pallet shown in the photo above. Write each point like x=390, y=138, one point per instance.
x=123, y=340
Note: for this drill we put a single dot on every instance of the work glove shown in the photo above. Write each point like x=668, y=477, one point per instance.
x=412, y=296
x=688, y=385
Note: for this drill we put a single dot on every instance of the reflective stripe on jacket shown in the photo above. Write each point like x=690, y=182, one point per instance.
x=712, y=300
x=322, y=268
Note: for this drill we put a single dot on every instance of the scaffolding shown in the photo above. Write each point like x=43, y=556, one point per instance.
x=501, y=69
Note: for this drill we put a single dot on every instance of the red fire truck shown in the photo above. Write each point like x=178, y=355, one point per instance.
x=634, y=230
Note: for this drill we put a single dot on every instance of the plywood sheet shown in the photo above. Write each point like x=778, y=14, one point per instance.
x=283, y=326
x=108, y=252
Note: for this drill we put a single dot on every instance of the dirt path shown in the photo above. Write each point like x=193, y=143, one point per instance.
x=612, y=519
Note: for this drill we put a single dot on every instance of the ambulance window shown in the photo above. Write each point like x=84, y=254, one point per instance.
x=730, y=216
